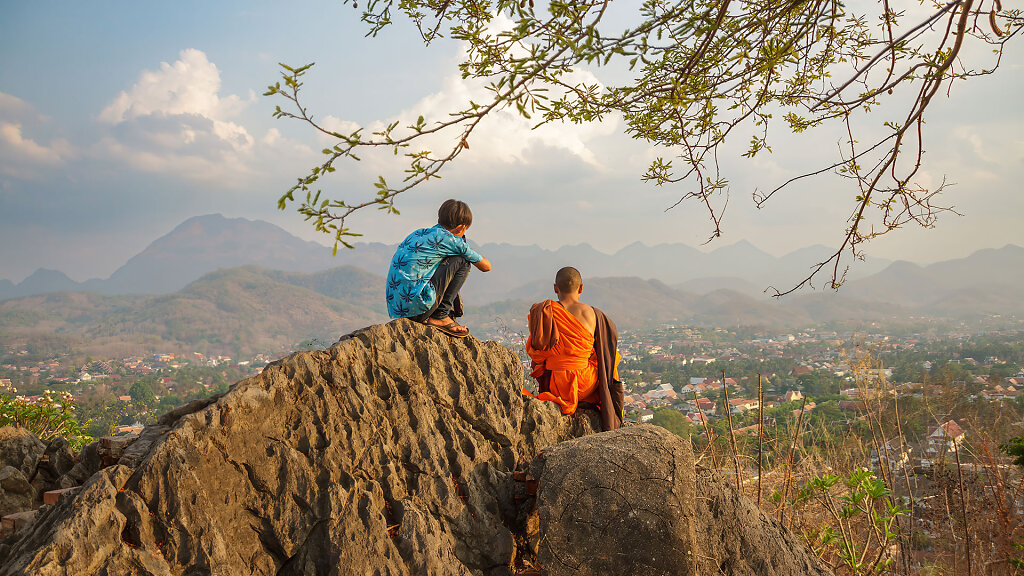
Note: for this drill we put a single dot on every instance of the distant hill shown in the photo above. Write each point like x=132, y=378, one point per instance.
x=988, y=300
x=347, y=283
x=710, y=284
x=39, y=282
x=988, y=281
x=206, y=243
x=232, y=311
x=727, y=308
x=829, y=306
x=630, y=302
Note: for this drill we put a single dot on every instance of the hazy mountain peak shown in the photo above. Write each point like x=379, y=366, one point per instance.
x=206, y=243
x=52, y=280
x=902, y=265
x=632, y=247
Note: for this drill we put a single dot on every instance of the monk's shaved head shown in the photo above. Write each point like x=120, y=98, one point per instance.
x=568, y=280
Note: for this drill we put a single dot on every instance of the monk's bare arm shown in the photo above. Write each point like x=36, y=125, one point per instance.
x=484, y=265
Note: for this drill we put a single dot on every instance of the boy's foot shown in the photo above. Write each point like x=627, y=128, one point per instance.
x=449, y=326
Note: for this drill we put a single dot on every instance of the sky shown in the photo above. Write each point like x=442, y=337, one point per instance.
x=119, y=120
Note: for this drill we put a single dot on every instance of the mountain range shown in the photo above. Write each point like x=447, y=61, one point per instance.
x=198, y=286
x=203, y=244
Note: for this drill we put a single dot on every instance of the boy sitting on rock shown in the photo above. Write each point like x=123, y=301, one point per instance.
x=429, y=268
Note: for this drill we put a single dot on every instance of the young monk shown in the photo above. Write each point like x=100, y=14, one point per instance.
x=429, y=268
x=573, y=348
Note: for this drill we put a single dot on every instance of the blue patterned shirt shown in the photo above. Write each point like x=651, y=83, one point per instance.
x=409, y=292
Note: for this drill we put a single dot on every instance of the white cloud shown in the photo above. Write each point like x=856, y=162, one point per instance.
x=175, y=120
x=189, y=86
x=271, y=137
x=503, y=136
x=22, y=156
x=14, y=107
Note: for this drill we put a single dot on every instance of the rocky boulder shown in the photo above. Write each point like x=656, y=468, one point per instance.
x=20, y=451
x=390, y=453
x=631, y=501
x=58, y=459
x=20, y=448
x=16, y=493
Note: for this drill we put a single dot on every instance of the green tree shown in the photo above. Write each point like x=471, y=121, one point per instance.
x=142, y=393
x=947, y=373
x=168, y=402
x=673, y=421
x=1015, y=448
x=910, y=371
x=686, y=77
x=818, y=383
x=1000, y=371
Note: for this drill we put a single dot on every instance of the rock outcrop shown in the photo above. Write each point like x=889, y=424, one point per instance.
x=19, y=453
x=398, y=451
x=632, y=501
x=390, y=453
x=20, y=448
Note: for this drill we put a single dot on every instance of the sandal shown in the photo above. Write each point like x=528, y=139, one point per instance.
x=449, y=328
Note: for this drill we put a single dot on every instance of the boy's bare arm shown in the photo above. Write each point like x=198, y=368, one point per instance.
x=484, y=265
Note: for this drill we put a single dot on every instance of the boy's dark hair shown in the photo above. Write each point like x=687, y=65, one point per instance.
x=568, y=279
x=454, y=213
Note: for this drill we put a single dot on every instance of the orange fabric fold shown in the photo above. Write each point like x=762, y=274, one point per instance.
x=543, y=333
x=571, y=359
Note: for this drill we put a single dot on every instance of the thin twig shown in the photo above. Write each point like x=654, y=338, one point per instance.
x=760, y=437
x=789, y=461
x=963, y=506
x=732, y=434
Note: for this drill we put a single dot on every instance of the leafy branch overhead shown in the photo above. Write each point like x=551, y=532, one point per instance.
x=697, y=71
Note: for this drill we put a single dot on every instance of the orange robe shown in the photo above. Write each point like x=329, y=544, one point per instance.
x=572, y=361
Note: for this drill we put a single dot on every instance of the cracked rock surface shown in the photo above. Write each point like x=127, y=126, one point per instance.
x=390, y=453
x=19, y=452
x=631, y=501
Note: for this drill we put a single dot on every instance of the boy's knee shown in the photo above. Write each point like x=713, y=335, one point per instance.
x=458, y=262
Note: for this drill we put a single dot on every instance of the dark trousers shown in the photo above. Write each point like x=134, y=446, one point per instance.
x=447, y=281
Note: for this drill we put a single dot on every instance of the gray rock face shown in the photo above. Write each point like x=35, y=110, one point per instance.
x=390, y=453
x=19, y=453
x=626, y=502
x=617, y=503
x=89, y=462
x=736, y=537
x=59, y=460
x=20, y=449
x=16, y=494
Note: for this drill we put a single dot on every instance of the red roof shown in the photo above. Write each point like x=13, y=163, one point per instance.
x=952, y=429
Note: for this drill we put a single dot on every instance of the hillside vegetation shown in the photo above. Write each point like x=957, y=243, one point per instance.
x=234, y=311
